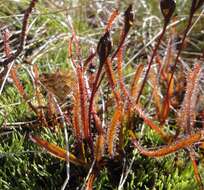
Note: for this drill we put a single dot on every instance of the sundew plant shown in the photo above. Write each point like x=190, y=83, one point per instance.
x=112, y=99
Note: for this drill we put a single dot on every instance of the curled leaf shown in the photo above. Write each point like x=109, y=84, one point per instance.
x=128, y=19
x=104, y=47
x=167, y=8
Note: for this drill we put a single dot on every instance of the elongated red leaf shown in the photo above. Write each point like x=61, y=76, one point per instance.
x=56, y=150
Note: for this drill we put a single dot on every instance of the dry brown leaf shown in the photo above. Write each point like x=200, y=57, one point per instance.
x=59, y=83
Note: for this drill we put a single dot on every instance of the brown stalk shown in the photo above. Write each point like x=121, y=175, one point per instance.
x=194, y=6
x=27, y=14
x=167, y=9
x=13, y=71
x=151, y=61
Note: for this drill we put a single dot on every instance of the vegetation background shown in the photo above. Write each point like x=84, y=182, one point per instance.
x=23, y=165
